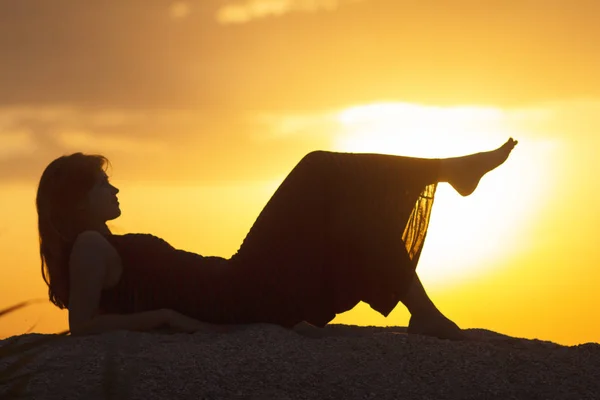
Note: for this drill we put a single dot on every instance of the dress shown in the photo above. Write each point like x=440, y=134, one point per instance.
x=340, y=229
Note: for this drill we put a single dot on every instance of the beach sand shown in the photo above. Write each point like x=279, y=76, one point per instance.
x=269, y=362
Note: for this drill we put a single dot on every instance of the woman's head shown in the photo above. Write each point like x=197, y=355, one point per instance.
x=73, y=195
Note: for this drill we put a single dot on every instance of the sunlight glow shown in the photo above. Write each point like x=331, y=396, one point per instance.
x=472, y=235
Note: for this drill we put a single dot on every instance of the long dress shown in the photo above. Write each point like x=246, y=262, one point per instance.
x=340, y=229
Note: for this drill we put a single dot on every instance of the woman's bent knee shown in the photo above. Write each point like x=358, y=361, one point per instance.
x=316, y=155
x=316, y=159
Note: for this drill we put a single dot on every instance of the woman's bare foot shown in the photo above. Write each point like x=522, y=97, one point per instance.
x=435, y=325
x=464, y=173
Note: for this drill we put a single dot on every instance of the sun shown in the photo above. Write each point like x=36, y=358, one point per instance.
x=468, y=236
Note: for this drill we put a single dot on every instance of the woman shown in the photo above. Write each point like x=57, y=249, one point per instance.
x=341, y=228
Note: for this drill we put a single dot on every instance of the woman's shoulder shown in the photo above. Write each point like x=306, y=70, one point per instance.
x=92, y=243
x=91, y=247
x=97, y=240
x=137, y=238
x=90, y=240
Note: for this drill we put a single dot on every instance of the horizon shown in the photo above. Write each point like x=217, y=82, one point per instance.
x=202, y=109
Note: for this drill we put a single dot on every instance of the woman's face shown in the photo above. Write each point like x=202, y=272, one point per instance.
x=102, y=204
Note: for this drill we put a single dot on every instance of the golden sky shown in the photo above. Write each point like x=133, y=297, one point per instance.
x=204, y=106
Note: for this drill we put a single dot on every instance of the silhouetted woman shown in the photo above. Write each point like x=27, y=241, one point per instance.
x=341, y=228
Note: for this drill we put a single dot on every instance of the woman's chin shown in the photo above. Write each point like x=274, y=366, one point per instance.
x=116, y=214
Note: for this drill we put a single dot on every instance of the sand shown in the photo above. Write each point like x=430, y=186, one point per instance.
x=269, y=362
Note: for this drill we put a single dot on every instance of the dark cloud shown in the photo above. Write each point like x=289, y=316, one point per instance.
x=95, y=53
x=133, y=54
x=128, y=72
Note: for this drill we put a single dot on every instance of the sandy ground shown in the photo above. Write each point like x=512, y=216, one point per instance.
x=268, y=362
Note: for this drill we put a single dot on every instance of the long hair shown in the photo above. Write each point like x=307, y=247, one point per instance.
x=63, y=187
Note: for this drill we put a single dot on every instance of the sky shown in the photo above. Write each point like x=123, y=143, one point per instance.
x=204, y=106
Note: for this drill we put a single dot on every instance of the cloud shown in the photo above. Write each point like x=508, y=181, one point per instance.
x=88, y=141
x=186, y=145
x=247, y=10
x=18, y=142
x=281, y=126
x=30, y=137
x=131, y=54
x=169, y=145
x=179, y=9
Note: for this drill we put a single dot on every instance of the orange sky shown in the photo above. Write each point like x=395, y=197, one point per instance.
x=203, y=106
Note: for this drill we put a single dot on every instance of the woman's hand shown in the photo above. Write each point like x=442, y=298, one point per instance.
x=183, y=323
x=305, y=329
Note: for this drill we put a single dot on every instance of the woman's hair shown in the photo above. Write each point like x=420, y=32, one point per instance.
x=63, y=188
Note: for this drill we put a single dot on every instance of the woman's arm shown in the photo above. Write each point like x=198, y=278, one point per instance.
x=88, y=266
x=171, y=320
x=143, y=321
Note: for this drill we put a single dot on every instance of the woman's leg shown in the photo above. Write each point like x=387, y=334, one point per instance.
x=464, y=173
x=309, y=186
x=343, y=215
x=426, y=318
